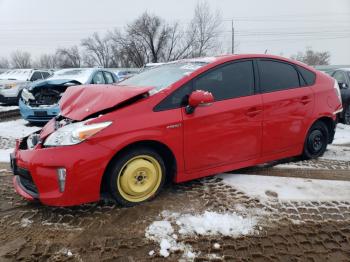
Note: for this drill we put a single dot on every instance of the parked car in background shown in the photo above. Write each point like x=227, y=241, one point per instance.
x=179, y=121
x=124, y=74
x=13, y=81
x=39, y=102
x=343, y=77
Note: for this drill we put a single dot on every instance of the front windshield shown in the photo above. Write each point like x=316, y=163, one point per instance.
x=163, y=76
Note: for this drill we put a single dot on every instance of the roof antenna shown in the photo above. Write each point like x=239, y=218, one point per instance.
x=265, y=51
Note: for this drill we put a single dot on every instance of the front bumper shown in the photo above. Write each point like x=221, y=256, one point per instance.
x=38, y=114
x=9, y=96
x=85, y=164
x=8, y=100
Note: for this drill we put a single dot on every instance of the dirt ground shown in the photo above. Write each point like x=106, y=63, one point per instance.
x=294, y=231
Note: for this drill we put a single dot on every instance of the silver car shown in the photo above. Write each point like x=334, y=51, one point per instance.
x=13, y=81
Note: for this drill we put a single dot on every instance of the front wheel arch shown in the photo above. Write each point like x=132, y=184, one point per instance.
x=162, y=149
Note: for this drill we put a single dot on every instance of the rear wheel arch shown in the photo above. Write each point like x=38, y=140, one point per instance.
x=163, y=150
x=330, y=123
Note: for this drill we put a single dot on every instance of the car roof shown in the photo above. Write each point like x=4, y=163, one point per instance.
x=228, y=57
x=344, y=69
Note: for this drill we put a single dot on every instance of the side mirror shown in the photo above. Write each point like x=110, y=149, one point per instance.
x=199, y=98
x=343, y=85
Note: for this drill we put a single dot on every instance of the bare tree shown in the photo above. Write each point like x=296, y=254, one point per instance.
x=47, y=61
x=20, y=59
x=311, y=57
x=4, y=62
x=151, y=32
x=179, y=43
x=205, y=25
x=99, y=49
x=69, y=57
x=128, y=50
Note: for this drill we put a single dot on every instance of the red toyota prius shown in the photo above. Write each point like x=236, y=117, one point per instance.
x=179, y=121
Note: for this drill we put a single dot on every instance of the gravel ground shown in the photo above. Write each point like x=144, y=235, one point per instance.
x=288, y=231
x=103, y=231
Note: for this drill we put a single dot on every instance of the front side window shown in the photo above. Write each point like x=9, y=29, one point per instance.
x=98, y=79
x=45, y=74
x=340, y=77
x=163, y=76
x=228, y=81
x=36, y=76
x=109, y=78
x=276, y=76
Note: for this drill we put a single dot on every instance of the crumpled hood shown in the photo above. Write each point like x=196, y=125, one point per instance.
x=78, y=102
x=48, y=83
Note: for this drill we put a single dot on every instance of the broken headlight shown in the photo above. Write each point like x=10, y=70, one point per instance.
x=74, y=133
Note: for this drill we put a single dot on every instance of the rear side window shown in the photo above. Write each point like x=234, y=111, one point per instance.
x=275, y=76
x=228, y=81
x=308, y=76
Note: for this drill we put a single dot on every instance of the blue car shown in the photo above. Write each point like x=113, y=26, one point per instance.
x=39, y=102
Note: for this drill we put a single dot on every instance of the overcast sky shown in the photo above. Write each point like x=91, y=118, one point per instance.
x=283, y=27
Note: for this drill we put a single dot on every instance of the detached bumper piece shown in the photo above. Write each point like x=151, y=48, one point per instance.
x=23, y=182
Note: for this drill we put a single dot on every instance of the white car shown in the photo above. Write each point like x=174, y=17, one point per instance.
x=13, y=81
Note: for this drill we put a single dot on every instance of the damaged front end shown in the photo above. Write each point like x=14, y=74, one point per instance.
x=40, y=102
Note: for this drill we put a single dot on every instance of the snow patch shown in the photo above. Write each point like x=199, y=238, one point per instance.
x=212, y=223
x=288, y=188
x=16, y=129
x=342, y=135
x=207, y=224
x=5, y=154
x=341, y=153
x=25, y=222
x=8, y=108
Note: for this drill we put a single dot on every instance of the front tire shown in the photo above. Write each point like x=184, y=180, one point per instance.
x=316, y=141
x=137, y=176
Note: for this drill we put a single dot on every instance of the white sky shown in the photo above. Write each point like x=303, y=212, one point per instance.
x=283, y=27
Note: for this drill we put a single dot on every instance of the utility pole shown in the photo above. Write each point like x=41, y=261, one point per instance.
x=233, y=39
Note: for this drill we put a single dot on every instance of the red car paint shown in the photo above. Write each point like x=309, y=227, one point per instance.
x=227, y=135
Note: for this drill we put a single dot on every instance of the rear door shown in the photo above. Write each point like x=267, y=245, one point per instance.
x=287, y=106
x=229, y=130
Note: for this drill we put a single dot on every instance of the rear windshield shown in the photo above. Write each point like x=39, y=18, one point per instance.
x=163, y=76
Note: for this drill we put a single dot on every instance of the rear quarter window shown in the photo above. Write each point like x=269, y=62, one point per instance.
x=308, y=76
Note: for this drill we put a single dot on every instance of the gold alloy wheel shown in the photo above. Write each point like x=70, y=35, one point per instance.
x=139, y=178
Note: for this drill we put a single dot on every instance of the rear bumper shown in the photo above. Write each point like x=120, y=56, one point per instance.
x=38, y=114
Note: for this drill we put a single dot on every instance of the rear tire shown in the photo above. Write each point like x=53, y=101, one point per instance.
x=136, y=177
x=316, y=141
x=346, y=119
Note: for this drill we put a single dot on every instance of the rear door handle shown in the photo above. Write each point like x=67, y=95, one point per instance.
x=251, y=112
x=305, y=100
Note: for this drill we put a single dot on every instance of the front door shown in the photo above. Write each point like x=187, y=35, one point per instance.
x=230, y=129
